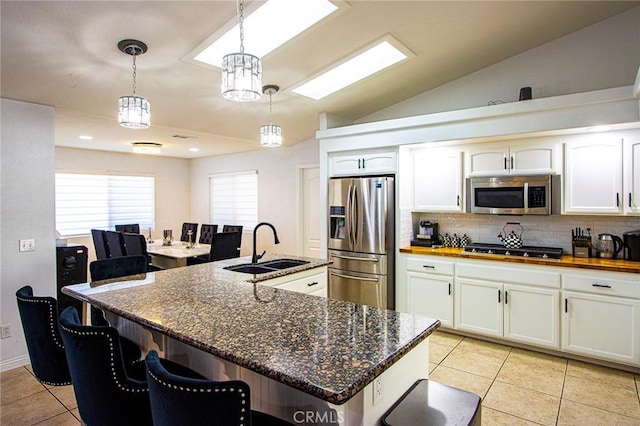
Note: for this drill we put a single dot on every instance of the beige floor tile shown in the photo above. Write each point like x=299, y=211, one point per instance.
x=432, y=366
x=600, y=373
x=491, y=417
x=64, y=419
x=538, y=377
x=638, y=384
x=481, y=365
x=19, y=385
x=524, y=403
x=485, y=348
x=12, y=373
x=529, y=358
x=76, y=414
x=65, y=395
x=602, y=395
x=438, y=352
x=445, y=339
x=461, y=380
x=573, y=413
x=31, y=409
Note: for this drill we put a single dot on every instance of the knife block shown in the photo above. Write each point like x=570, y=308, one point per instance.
x=581, y=251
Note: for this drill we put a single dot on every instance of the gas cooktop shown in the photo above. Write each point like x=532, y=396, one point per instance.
x=524, y=251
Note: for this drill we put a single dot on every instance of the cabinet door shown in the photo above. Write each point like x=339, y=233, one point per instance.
x=379, y=163
x=430, y=295
x=487, y=160
x=601, y=326
x=593, y=176
x=346, y=165
x=437, y=180
x=631, y=176
x=478, y=307
x=531, y=315
x=536, y=158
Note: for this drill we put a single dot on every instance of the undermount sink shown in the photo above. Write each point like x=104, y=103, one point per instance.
x=263, y=268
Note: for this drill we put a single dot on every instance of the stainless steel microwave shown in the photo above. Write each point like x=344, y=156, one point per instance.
x=511, y=195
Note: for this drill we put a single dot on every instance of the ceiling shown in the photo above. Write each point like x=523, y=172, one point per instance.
x=65, y=54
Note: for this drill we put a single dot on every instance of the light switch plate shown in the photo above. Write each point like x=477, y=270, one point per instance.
x=28, y=245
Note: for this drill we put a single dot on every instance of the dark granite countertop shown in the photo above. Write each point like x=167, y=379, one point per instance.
x=327, y=348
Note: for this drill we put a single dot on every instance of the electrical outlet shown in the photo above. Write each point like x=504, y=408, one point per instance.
x=28, y=245
x=377, y=390
x=5, y=332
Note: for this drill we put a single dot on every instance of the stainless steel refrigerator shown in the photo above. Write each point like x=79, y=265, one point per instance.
x=362, y=240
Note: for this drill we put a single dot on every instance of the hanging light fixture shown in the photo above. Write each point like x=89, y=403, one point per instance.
x=133, y=111
x=241, y=72
x=270, y=134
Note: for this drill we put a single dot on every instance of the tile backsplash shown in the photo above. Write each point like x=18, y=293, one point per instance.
x=550, y=231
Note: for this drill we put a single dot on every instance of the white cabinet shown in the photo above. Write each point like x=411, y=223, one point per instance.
x=524, y=157
x=437, y=180
x=312, y=281
x=519, y=304
x=366, y=163
x=601, y=316
x=631, y=169
x=430, y=288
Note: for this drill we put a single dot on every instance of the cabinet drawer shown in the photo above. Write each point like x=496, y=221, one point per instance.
x=494, y=272
x=428, y=264
x=603, y=283
x=311, y=284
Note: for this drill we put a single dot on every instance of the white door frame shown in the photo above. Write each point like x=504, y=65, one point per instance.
x=300, y=168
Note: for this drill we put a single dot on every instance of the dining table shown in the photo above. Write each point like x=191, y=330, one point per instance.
x=175, y=255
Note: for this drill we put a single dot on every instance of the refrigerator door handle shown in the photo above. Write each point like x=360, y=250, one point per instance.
x=365, y=259
x=350, y=277
x=348, y=216
x=354, y=220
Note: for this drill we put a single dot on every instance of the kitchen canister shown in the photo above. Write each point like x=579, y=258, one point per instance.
x=455, y=241
x=446, y=240
x=464, y=240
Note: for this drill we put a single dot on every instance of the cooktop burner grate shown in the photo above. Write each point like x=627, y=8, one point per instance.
x=524, y=251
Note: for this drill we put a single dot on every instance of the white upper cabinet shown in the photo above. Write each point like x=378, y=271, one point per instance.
x=593, y=176
x=521, y=158
x=631, y=171
x=364, y=163
x=437, y=180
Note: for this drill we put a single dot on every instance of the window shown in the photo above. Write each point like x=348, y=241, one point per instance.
x=90, y=201
x=234, y=199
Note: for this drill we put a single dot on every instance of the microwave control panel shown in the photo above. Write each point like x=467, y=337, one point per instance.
x=537, y=196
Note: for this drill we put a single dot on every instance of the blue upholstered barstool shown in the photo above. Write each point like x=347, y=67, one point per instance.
x=177, y=400
x=108, y=392
x=39, y=316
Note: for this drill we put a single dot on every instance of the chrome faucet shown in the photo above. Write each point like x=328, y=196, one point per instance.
x=255, y=257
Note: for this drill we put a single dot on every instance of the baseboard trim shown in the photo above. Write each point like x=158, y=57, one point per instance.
x=16, y=362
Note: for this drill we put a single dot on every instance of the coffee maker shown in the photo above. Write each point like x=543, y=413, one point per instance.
x=631, y=243
x=427, y=235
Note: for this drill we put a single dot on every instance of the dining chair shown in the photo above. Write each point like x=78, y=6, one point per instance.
x=186, y=227
x=100, y=243
x=108, y=391
x=206, y=233
x=39, y=316
x=133, y=228
x=115, y=244
x=224, y=246
x=235, y=228
x=136, y=245
x=177, y=400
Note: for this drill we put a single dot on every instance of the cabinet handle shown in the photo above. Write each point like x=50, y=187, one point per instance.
x=505, y=163
x=506, y=297
x=499, y=296
x=512, y=162
x=566, y=305
x=363, y=163
x=358, y=163
x=312, y=284
x=601, y=285
x=449, y=289
x=629, y=199
x=617, y=199
x=458, y=200
x=429, y=266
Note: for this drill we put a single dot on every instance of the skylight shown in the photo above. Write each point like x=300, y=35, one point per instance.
x=268, y=27
x=369, y=62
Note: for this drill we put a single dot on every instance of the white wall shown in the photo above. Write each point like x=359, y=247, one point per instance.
x=603, y=55
x=171, y=180
x=26, y=201
x=277, y=190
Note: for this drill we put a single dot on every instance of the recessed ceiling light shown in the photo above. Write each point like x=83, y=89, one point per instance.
x=268, y=27
x=377, y=58
x=194, y=149
x=85, y=137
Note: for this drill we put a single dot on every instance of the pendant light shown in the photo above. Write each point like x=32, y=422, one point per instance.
x=134, y=112
x=241, y=72
x=270, y=134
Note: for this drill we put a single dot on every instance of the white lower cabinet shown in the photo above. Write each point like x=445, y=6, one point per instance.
x=312, y=281
x=478, y=306
x=601, y=316
x=429, y=285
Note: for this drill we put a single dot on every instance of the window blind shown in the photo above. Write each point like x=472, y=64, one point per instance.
x=91, y=201
x=234, y=199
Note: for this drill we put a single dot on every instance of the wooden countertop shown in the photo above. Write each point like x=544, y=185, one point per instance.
x=568, y=261
x=330, y=349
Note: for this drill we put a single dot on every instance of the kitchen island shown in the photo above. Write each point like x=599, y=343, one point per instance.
x=308, y=359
